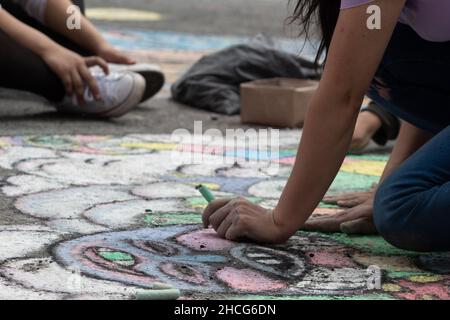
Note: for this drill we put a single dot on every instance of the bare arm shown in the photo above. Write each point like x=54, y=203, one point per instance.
x=25, y=35
x=353, y=59
x=359, y=217
x=409, y=140
x=69, y=66
x=354, y=56
x=87, y=36
x=56, y=17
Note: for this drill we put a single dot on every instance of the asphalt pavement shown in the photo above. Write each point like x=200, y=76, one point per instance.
x=23, y=114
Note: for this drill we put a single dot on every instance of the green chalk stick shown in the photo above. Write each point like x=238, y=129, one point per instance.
x=206, y=193
x=161, y=286
x=168, y=294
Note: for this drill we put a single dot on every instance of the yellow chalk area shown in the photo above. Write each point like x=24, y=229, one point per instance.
x=149, y=145
x=390, y=263
x=426, y=279
x=3, y=144
x=211, y=186
x=367, y=167
x=122, y=14
x=390, y=287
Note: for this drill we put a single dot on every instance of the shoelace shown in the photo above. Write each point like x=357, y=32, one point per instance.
x=107, y=90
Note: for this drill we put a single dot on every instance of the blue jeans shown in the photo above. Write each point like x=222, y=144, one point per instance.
x=412, y=206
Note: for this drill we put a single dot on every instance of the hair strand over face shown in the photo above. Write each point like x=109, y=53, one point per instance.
x=308, y=12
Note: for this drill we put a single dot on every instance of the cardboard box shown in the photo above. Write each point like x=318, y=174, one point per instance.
x=277, y=102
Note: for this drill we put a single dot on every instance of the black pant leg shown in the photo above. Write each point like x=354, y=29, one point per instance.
x=22, y=69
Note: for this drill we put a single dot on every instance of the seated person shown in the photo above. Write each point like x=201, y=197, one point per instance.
x=40, y=54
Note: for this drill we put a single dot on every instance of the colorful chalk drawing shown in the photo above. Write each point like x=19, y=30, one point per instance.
x=92, y=237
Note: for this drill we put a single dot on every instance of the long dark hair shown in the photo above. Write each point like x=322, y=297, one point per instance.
x=325, y=12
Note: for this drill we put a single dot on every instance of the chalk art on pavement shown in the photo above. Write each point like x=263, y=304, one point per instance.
x=89, y=195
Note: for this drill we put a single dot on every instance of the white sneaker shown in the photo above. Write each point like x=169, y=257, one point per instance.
x=120, y=92
x=154, y=78
x=137, y=67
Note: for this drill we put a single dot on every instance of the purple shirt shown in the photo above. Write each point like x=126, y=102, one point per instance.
x=429, y=18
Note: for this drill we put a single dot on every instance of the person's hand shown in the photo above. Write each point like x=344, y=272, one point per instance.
x=239, y=219
x=349, y=200
x=355, y=220
x=112, y=55
x=73, y=71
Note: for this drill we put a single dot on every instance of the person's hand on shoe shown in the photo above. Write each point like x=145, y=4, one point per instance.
x=239, y=219
x=73, y=70
x=355, y=220
x=112, y=55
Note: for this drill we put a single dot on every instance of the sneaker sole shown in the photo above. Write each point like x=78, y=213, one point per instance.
x=133, y=99
x=154, y=78
x=154, y=81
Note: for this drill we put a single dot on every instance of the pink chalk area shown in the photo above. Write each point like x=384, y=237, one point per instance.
x=420, y=291
x=331, y=259
x=248, y=280
x=88, y=150
x=289, y=160
x=348, y=160
x=90, y=138
x=205, y=240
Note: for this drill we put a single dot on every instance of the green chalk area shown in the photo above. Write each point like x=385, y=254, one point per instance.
x=116, y=256
x=173, y=218
x=406, y=274
x=370, y=157
x=346, y=181
x=197, y=202
x=52, y=141
x=371, y=244
x=328, y=206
